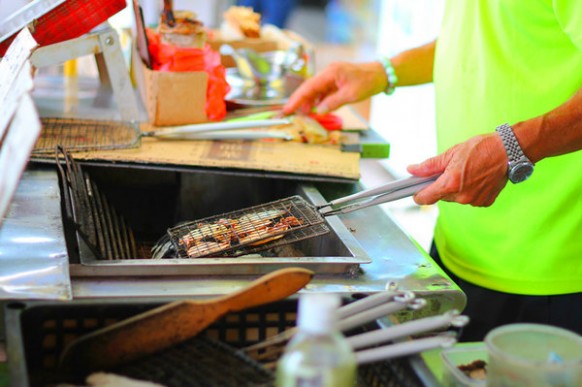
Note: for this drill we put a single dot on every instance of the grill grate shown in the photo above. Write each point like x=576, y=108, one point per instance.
x=89, y=214
x=199, y=362
x=248, y=230
x=83, y=135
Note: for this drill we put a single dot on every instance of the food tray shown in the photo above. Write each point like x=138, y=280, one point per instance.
x=38, y=331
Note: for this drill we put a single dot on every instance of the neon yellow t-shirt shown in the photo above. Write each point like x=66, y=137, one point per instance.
x=506, y=61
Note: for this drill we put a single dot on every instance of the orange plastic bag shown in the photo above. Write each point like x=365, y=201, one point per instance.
x=166, y=57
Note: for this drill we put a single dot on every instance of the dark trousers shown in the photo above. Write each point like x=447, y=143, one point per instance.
x=488, y=309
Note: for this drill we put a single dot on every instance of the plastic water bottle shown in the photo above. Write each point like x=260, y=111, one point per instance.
x=318, y=355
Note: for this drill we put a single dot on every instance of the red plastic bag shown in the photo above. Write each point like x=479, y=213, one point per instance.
x=166, y=57
x=68, y=20
x=329, y=121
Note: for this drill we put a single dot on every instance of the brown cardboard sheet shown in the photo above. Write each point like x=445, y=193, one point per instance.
x=287, y=157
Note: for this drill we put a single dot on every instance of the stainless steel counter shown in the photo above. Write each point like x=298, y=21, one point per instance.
x=33, y=255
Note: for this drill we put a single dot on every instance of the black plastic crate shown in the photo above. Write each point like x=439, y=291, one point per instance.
x=38, y=331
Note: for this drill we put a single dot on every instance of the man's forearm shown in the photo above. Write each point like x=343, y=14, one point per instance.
x=554, y=133
x=415, y=66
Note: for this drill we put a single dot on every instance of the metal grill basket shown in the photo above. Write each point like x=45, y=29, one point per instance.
x=84, y=135
x=248, y=230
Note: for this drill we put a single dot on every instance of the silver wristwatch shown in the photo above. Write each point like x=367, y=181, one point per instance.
x=519, y=167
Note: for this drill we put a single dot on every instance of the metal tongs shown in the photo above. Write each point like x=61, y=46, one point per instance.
x=370, y=309
x=371, y=197
x=221, y=130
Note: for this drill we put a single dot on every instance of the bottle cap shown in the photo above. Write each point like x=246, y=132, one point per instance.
x=317, y=312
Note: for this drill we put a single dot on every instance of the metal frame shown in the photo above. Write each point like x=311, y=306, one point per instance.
x=113, y=72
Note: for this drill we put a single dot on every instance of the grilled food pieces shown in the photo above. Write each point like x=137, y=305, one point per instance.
x=252, y=229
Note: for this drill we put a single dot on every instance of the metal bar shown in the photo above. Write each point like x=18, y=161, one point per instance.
x=384, y=189
x=407, y=329
x=180, y=131
x=365, y=304
x=404, y=349
x=119, y=76
x=383, y=194
x=372, y=314
x=105, y=42
x=234, y=135
x=100, y=223
x=70, y=49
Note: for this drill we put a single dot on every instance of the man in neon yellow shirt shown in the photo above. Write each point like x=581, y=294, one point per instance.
x=515, y=249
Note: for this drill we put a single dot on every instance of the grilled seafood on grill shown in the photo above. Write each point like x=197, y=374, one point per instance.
x=253, y=229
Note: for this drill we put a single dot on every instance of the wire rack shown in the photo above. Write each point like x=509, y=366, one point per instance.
x=216, y=364
x=88, y=213
x=248, y=230
x=84, y=135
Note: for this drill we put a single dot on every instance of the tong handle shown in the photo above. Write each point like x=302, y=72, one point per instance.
x=405, y=348
x=176, y=131
x=410, y=328
x=382, y=194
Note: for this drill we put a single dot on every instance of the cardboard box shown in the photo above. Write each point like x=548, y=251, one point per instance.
x=179, y=98
x=171, y=98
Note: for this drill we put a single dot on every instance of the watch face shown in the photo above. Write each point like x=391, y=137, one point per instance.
x=520, y=172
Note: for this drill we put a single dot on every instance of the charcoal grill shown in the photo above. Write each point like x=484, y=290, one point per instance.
x=106, y=242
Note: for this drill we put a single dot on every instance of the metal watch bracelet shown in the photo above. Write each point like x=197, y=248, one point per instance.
x=512, y=147
x=519, y=167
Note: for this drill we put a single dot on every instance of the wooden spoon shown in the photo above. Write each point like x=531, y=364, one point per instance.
x=173, y=323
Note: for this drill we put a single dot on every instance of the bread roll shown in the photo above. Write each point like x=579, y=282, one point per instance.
x=241, y=22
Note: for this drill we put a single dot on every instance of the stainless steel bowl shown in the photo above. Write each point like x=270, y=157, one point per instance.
x=264, y=67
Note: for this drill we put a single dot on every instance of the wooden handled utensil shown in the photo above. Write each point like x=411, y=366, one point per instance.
x=173, y=323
